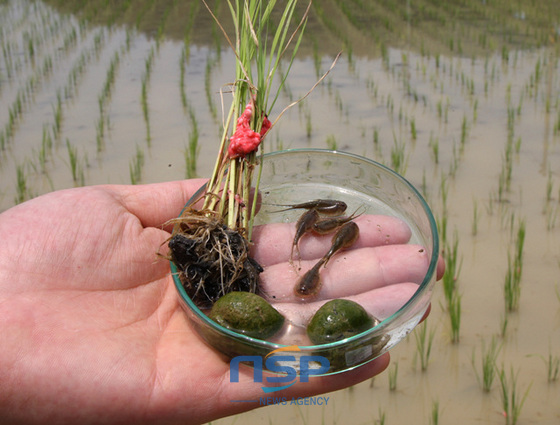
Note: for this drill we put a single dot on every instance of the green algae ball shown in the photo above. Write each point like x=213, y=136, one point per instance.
x=247, y=314
x=338, y=319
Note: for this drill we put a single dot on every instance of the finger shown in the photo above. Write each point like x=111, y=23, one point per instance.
x=274, y=242
x=155, y=204
x=349, y=273
x=440, y=268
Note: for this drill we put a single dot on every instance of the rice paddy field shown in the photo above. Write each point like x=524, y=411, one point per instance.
x=461, y=97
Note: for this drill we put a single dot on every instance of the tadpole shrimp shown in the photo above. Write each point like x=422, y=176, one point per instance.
x=304, y=224
x=343, y=238
x=310, y=283
x=329, y=225
x=328, y=207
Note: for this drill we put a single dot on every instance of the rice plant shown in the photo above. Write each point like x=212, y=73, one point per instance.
x=208, y=87
x=136, y=166
x=182, y=68
x=454, y=311
x=192, y=150
x=552, y=364
x=57, y=112
x=398, y=159
x=144, y=94
x=22, y=189
x=512, y=400
x=424, y=341
x=512, y=280
x=488, y=358
x=413, y=129
x=76, y=167
x=382, y=417
x=504, y=321
x=392, y=375
x=553, y=367
x=308, y=124
x=476, y=217
x=145, y=108
x=452, y=268
x=434, y=418
x=331, y=142
x=464, y=133
x=434, y=145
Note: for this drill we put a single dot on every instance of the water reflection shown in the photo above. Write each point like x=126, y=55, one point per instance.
x=364, y=28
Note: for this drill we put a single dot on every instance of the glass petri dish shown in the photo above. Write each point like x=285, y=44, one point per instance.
x=293, y=176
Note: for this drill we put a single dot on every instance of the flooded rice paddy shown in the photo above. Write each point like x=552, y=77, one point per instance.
x=462, y=99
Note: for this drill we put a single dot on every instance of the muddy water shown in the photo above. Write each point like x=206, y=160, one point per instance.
x=463, y=103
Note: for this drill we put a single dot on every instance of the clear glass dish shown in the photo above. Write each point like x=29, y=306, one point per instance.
x=299, y=175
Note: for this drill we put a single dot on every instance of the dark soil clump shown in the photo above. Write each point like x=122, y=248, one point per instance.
x=212, y=259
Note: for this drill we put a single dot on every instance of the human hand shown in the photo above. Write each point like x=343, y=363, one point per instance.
x=92, y=331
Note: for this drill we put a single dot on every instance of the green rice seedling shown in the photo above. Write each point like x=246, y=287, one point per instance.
x=512, y=401
x=452, y=268
x=424, y=341
x=376, y=136
x=551, y=217
x=100, y=134
x=109, y=81
x=182, y=69
x=316, y=57
x=308, y=124
x=512, y=289
x=424, y=185
x=464, y=133
x=193, y=149
x=144, y=94
x=474, y=226
x=75, y=166
x=136, y=166
x=552, y=367
x=549, y=188
x=434, y=419
x=208, y=87
x=504, y=321
x=434, y=145
x=475, y=111
x=392, y=374
x=42, y=156
x=382, y=417
x=442, y=228
x=454, y=310
x=22, y=190
x=552, y=364
x=505, y=54
x=455, y=160
x=517, y=145
x=145, y=108
x=512, y=281
x=57, y=112
x=413, y=129
x=398, y=159
x=331, y=142
x=487, y=364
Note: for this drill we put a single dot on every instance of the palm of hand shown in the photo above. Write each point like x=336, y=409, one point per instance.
x=92, y=330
